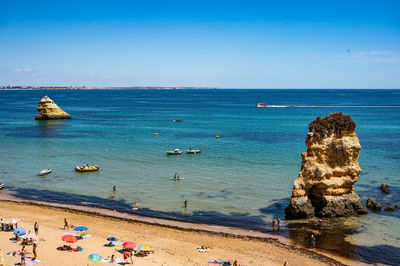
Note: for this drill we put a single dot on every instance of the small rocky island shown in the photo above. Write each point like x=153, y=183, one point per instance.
x=49, y=110
x=324, y=187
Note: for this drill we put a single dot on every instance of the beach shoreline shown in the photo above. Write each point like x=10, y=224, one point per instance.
x=281, y=243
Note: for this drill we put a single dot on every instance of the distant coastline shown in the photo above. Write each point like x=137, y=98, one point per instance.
x=99, y=88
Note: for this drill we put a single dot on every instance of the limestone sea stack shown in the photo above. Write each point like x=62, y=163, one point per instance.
x=329, y=169
x=49, y=110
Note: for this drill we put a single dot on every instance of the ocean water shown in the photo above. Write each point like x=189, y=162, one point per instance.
x=242, y=179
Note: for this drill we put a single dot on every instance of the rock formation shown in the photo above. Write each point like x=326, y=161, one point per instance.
x=389, y=208
x=373, y=204
x=385, y=188
x=49, y=110
x=329, y=169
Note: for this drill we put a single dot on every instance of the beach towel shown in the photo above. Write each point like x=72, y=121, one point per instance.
x=14, y=253
x=117, y=261
x=32, y=262
x=67, y=233
x=223, y=262
x=86, y=236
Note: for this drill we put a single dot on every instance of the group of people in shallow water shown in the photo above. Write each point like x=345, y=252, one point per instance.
x=276, y=222
x=177, y=177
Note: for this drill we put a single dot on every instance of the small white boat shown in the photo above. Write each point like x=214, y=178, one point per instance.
x=174, y=152
x=45, y=172
x=191, y=151
x=1, y=186
x=261, y=105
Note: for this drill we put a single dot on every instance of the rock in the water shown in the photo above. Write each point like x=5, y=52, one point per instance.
x=373, y=204
x=49, y=110
x=385, y=188
x=329, y=169
x=389, y=208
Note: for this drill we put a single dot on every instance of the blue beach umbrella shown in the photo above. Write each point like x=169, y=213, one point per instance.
x=112, y=239
x=95, y=257
x=81, y=228
x=20, y=231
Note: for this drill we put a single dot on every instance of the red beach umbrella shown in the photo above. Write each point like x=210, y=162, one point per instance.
x=69, y=238
x=129, y=245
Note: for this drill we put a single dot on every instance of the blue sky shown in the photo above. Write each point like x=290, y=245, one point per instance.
x=228, y=44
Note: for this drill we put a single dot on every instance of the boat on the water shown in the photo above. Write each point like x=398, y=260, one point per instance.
x=191, y=151
x=45, y=172
x=260, y=105
x=174, y=152
x=87, y=168
x=1, y=186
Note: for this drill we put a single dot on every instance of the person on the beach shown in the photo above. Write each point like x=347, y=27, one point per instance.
x=112, y=258
x=34, y=251
x=179, y=177
x=320, y=222
x=278, y=222
x=111, y=195
x=185, y=203
x=17, y=236
x=36, y=227
x=65, y=223
x=135, y=207
x=235, y=263
x=286, y=263
x=23, y=254
x=114, y=188
x=273, y=224
x=313, y=240
x=175, y=175
x=131, y=256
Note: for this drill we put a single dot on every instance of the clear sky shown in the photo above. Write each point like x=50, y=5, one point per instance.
x=228, y=44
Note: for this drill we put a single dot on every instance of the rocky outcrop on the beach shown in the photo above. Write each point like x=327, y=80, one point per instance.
x=324, y=187
x=385, y=188
x=389, y=208
x=49, y=110
x=372, y=204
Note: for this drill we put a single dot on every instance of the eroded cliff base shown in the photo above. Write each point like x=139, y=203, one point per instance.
x=324, y=187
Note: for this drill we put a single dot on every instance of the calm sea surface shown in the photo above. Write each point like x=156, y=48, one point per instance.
x=243, y=179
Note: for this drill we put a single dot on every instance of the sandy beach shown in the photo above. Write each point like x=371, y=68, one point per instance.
x=171, y=246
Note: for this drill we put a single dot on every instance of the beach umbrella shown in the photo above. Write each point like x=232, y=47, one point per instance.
x=112, y=239
x=95, y=257
x=129, y=245
x=69, y=238
x=144, y=248
x=20, y=231
x=13, y=221
x=81, y=228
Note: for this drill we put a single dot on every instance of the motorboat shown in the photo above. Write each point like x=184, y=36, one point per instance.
x=87, y=168
x=178, y=120
x=260, y=105
x=45, y=172
x=191, y=151
x=174, y=152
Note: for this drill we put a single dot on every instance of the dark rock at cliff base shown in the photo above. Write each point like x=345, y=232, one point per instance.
x=324, y=187
x=385, y=188
x=389, y=208
x=373, y=204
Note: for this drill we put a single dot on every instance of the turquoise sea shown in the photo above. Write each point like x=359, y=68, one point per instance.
x=242, y=179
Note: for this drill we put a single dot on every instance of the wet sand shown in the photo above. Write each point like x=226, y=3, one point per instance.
x=173, y=242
